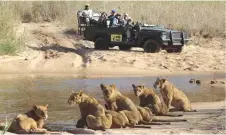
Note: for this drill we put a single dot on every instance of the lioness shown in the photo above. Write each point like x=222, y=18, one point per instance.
x=118, y=102
x=148, y=98
x=91, y=111
x=30, y=122
x=173, y=96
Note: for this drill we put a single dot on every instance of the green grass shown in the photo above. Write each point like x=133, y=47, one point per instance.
x=7, y=124
x=8, y=48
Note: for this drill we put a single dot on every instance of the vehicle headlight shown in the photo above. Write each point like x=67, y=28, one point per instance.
x=165, y=35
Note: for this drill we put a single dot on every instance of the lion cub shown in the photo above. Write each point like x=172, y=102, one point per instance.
x=173, y=96
x=91, y=111
x=31, y=121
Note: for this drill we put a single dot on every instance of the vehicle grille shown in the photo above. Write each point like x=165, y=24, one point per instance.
x=176, y=35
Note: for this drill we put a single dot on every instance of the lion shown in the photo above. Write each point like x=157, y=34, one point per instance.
x=148, y=98
x=120, y=103
x=92, y=112
x=173, y=96
x=119, y=119
x=30, y=122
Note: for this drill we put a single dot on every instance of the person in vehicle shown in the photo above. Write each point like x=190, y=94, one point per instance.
x=103, y=18
x=129, y=29
x=120, y=19
x=125, y=18
x=112, y=16
x=87, y=11
x=116, y=21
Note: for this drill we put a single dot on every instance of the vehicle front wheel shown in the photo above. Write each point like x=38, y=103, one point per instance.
x=124, y=47
x=101, y=44
x=151, y=46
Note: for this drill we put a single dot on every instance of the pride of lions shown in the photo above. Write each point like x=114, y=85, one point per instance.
x=119, y=110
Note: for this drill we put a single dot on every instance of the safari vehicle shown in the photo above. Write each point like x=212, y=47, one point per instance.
x=151, y=38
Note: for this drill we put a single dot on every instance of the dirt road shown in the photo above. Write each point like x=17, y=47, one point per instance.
x=52, y=49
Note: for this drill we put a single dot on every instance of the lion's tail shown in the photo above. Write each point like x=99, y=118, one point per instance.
x=190, y=111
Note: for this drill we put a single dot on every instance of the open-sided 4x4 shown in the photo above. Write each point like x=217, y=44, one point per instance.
x=151, y=38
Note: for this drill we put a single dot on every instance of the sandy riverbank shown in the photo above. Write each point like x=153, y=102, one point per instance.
x=210, y=119
x=51, y=49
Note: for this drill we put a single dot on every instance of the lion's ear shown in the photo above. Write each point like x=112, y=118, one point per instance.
x=113, y=86
x=133, y=86
x=158, y=78
x=163, y=80
x=80, y=93
x=102, y=86
x=46, y=105
x=142, y=86
x=35, y=107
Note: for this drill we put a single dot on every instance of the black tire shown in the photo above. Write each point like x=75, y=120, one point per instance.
x=151, y=46
x=170, y=51
x=176, y=50
x=179, y=49
x=101, y=44
x=124, y=47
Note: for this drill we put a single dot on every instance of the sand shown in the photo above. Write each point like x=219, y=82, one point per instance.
x=52, y=49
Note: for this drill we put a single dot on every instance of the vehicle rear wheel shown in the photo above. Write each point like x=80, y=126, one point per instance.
x=151, y=46
x=124, y=47
x=177, y=49
x=101, y=44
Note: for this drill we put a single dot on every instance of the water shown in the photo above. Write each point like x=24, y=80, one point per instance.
x=19, y=95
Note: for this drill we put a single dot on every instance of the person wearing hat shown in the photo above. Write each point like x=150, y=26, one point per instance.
x=112, y=17
x=87, y=11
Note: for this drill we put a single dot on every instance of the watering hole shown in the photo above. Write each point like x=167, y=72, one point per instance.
x=19, y=95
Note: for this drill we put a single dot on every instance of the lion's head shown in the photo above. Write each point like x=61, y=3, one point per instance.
x=159, y=83
x=138, y=90
x=41, y=111
x=76, y=97
x=108, y=90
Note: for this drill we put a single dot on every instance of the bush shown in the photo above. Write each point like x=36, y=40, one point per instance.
x=9, y=43
x=206, y=19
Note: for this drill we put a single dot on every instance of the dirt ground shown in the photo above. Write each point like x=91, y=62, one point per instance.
x=52, y=49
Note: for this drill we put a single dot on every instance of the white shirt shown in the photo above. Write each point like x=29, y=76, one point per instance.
x=88, y=12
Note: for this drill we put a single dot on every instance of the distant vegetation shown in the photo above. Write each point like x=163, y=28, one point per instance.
x=206, y=19
x=9, y=44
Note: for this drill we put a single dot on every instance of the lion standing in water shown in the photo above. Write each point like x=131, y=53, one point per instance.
x=93, y=113
x=173, y=96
